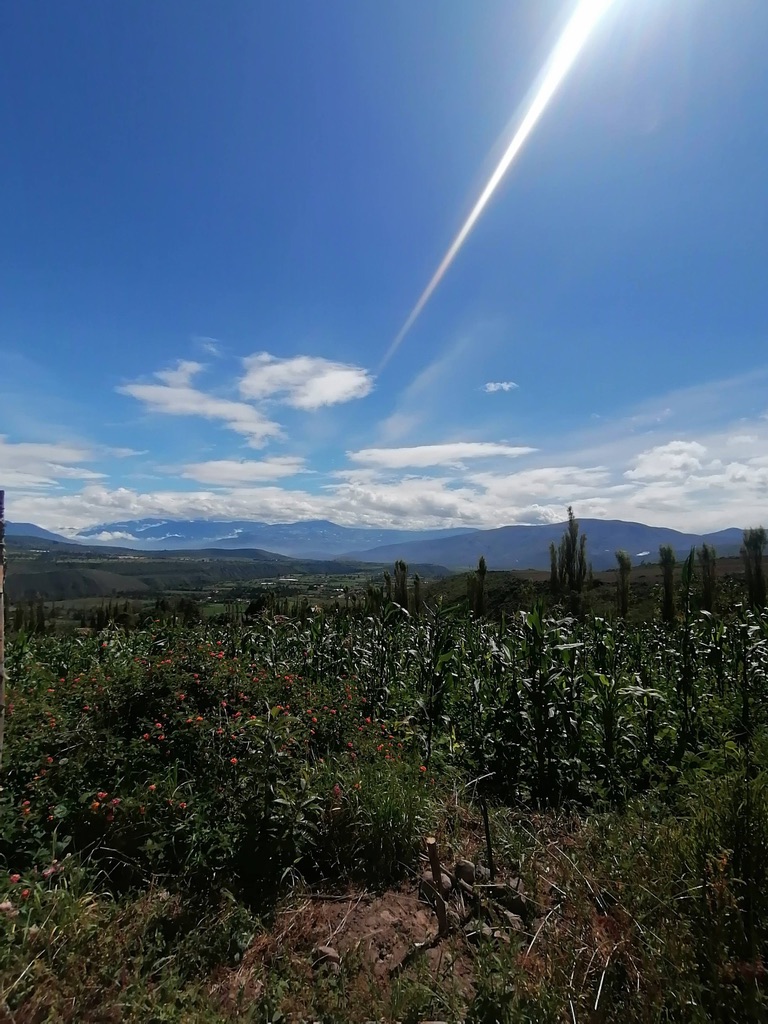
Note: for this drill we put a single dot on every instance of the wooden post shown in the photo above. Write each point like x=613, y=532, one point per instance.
x=437, y=880
x=488, y=846
x=2, y=623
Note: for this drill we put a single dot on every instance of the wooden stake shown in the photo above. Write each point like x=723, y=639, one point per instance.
x=437, y=880
x=488, y=846
x=2, y=623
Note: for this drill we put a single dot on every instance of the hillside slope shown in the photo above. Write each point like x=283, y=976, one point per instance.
x=527, y=547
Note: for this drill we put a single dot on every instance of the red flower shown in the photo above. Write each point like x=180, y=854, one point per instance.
x=233, y=760
x=15, y=879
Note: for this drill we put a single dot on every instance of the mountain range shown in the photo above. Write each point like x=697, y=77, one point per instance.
x=315, y=538
x=507, y=547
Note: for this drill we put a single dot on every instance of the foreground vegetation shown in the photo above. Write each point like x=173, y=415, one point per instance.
x=177, y=799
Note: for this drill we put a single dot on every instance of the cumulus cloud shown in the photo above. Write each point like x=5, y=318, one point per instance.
x=672, y=460
x=499, y=385
x=424, y=455
x=676, y=474
x=549, y=484
x=233, y=472
x=175, y=396
x=303, y=382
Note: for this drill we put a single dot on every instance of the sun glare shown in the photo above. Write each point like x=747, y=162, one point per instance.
x=569, y=46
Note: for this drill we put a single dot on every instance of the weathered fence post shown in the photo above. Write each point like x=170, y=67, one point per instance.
x=437, y=881
x=2, y=624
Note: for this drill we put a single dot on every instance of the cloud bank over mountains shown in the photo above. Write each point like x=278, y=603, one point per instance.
x=664, y=463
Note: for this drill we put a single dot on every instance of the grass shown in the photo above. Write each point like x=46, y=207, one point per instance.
x=187, y=812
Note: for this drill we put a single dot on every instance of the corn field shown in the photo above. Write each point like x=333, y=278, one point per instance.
x=232, y=762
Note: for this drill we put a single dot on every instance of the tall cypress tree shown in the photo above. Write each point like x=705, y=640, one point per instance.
x=707, y=565
x=752, y=553
x=401, y=584
x=479, y=596
x=572, y=556
x=554, y=576
x=622, y=582
x=667, y=560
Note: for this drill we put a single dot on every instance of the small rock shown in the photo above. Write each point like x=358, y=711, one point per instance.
x=427, y=890
x=476, y=932
x=514, y=921
x=482, y=873
x=322, y=955
x=516, y=897
x=501, y=936
x=511, y=896
x=465, y=870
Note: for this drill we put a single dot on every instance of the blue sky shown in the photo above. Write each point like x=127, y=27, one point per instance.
x=217, y=216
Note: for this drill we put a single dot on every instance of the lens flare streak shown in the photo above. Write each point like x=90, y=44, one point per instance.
x=567, y=49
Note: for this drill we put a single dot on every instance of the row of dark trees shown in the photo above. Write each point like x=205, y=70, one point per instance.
x=752, y=551
x=570, y=571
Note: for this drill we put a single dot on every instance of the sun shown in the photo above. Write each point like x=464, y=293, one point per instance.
x=570, y=44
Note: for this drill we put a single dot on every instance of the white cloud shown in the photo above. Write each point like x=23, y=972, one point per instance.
x=743, y=439
x=560, y=484
x=424, y=455
x=181, y=375
x=38, y=465
x=111, y=536
x=124, y=453
x=499, y=385
x=176, y=397
x=673, y=460
x=232, y=472
x=304, y=382
x=686, y=473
